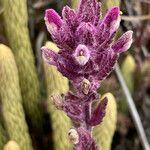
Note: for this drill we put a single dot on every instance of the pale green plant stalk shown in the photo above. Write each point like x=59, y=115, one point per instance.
x=108, y=4
x=128, y=67
x=74, y=3
x=11, y=145
x=16, y=27
x=3, y=137
x=12, y=110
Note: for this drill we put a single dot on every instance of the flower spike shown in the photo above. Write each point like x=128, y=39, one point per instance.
x=86, y=57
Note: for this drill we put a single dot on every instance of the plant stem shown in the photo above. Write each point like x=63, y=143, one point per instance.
x=88, y=115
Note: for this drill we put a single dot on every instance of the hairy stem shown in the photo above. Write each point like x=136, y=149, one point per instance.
x=88, y=116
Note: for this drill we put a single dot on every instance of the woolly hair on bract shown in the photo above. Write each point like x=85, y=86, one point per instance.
x=11, y=100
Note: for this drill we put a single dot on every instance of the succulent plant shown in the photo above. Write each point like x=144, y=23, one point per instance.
x=3, y=137
x=128, y=67
x=110, y=3
x=74, y=3
x=10, y=94
x=15, y=18
x=87, y=55
x=11, y=145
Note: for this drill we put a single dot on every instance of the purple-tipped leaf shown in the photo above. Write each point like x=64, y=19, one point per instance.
x=107, y=27
x=52, y=20
x=106, y=64
x=124, y=43
x=111, y=21
x=85, y=33
x=69, y=17
x=49, y=56
x=89, y=11
x=99, y=113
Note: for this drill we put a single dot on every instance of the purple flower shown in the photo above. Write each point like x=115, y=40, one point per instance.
x=85, y=41
x=87, y=55
x=82, y=54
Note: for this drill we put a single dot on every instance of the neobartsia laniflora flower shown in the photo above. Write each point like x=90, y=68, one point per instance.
x=87, y=55
x=87, y=49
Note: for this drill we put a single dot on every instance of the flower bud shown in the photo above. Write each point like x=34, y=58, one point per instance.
x=85, y=86
x=49, y=56
x=112, y=19
x=52, y=20
x=123, y=43
x=57, y=101
x=73, y=136
x=82, y=54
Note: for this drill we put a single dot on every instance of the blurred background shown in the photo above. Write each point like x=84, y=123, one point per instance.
x=28, y=119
